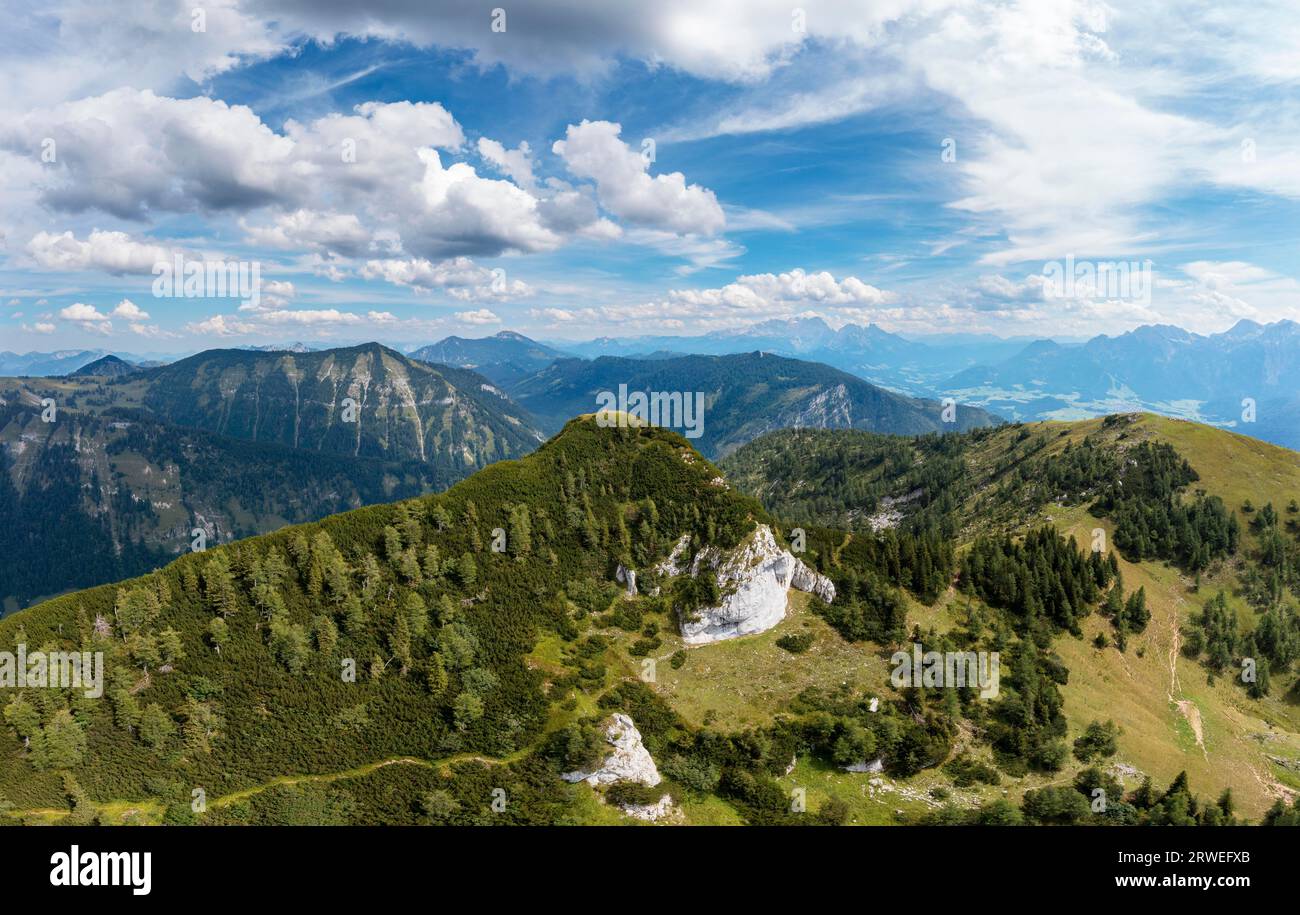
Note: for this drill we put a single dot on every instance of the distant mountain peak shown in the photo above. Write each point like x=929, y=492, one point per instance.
x=109, y=366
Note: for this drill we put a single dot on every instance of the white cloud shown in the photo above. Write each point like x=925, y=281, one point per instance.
x=112, y=252
x=310, y=316
x=516, y=164
x=129, y=311
x=758, y=296
x=136, y=155
x=88, y=318
x=309, y=230
x=282, y=288
x=625, y=188
x=81, y=312
x=220, y=326
x=459, y=276
x=481, y=316
x=559, y=315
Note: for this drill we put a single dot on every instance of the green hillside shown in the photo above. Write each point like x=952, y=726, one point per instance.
x=482, y=675
x=1179, y=709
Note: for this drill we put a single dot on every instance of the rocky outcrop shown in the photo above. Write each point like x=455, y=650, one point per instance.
x=627, y=577
x=805, y=579
x=630, y=761
x=675, y=564
x=754, y=580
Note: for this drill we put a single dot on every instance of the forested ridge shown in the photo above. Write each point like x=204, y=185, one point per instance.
x=392, y=650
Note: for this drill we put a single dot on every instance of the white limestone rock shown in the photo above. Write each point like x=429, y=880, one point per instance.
x=754, y=580
x=675, y=563
x=629, y=762
x=627, y=577
x=873, y=766
x=805, y=579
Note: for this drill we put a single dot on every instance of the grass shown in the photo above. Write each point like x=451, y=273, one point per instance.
x=747, y=681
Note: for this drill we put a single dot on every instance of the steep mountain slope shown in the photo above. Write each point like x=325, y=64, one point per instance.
x=367, y=401
x=124, y=494
x=231, y=668
x=503, y=358
x=130, y=466
x=745, y=396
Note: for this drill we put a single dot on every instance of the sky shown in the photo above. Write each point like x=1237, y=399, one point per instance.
x=582, y=168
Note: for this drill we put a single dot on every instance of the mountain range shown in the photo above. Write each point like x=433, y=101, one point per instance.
x=1156, y=367
x=744, y=395
x=230, y=443
x=237, y=442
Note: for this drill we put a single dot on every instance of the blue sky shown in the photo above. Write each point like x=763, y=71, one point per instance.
x=914, y=163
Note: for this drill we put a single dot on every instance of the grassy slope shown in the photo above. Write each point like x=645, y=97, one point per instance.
x=748, y=680
x=1141, y=689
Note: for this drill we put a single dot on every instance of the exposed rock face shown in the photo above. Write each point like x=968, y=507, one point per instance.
x=874, y=765
x=630, y=761
x=675, y=563
x=805, y=579
x=754, y=580
x=626, y=576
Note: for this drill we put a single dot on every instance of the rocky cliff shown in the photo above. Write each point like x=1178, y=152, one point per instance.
x=754, y=580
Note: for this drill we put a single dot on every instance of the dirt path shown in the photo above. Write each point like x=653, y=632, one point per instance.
x=1186, y=707
x=356, y=772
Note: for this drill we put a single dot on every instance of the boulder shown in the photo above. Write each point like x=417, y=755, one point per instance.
x=630, y=761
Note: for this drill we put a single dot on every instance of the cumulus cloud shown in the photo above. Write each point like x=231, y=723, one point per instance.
x=136, y=155
x=459, y=276
x=220, y=326
x=81, y=312
x=310, y=230
x=87, y=317
x=129, y=311
x=758, y=296
x=625, y=188
x=481, y=316
x=516, y=164
x=112, y=252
